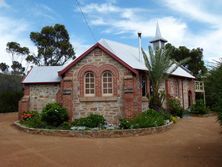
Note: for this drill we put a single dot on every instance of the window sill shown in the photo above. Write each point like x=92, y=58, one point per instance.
x=98, y=99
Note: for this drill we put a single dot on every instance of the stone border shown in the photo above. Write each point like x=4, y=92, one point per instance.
x=95, y=133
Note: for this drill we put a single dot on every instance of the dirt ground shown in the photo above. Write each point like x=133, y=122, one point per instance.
x=193, y=141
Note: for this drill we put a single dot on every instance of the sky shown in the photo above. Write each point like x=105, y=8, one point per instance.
x=190, y=23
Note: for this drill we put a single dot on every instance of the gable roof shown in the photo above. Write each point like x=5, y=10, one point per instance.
x=126, y=55
x=43, y=74
x=131, y=56
x=104, y=48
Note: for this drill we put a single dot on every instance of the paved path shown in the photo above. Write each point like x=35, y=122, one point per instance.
x=191, y=142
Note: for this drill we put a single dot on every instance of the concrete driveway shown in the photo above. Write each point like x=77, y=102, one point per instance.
x=191, y=142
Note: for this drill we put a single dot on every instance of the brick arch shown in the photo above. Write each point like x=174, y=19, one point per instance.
x=109, y=67
x=81, y=73
x=115, y=73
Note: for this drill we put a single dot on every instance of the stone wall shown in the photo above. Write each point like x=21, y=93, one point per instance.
x=112, y=107
x=40, y=95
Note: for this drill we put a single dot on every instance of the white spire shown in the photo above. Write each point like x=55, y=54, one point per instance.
x=158, y=33
x=158, y=37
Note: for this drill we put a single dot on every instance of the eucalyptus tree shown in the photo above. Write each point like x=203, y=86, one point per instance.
x=53, y=44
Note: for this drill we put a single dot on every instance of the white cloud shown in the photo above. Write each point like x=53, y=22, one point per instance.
x=3, y=4
x=41, y=10
x=193, y=10
x=12, y=30
x=128, y=21
x=117, y=20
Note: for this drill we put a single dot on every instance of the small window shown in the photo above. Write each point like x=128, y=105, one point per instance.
x=107, y=83
x=89, y=84
x=177, y=83
x=144, y=85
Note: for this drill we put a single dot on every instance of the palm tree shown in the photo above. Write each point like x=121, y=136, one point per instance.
x=159, y=65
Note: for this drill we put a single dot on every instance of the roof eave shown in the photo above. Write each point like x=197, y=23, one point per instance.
x=91, y=49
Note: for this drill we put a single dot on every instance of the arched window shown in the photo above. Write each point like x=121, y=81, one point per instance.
x=107, y=83
x=89, y=84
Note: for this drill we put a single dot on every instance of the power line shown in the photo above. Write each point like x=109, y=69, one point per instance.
x=84, y=17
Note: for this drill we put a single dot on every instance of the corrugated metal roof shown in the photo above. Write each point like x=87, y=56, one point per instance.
x=43, y=74
x=130, y=55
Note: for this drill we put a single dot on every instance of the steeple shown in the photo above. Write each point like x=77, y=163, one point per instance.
x=158, y=41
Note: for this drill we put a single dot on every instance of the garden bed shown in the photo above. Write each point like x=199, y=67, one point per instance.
x=115, y=133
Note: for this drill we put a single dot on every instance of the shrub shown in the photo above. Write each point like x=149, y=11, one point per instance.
x=124, y=124
x=220, y=117
x=199, y=108
x=65, y=126
x=92, y=121
x=174, y=119
x=166, y=114
x=54, y=114
x=150, y=118
x=32, y=119
x=174, y=107
x=10, y=92
x=9, y=101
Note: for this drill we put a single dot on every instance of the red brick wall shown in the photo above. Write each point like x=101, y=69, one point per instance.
x=24, y=102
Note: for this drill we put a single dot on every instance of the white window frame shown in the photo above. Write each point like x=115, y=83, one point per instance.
x=107, y=94
x=89, y=94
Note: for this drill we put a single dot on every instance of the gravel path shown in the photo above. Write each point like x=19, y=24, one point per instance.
x=193, y=141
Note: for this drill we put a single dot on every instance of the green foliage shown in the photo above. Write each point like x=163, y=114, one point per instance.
x=34, y=121
x=220, y=117
x=17, y=68
x=199, y=108
x=174, y=119
x=4, y=67
x=213, y=88
x=16, y=51
x=124, y=124
x=158, y=65
x=9, y=101
x=54, y=114
x=196, y=65
x=174, y=107
x=65, y=126
x=92, y=121
x=53, y=46
x=150, y=118
x=166, y=114
x=10, y=92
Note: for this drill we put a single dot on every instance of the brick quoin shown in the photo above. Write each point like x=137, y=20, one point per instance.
x=24, y=102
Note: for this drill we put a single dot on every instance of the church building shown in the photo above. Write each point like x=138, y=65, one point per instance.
x=109, y=78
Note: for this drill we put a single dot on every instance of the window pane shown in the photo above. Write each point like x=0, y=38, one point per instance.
x=104, y=90
x=104, y=85
x=110, y=85
x=89, y=83
x=110, y=91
